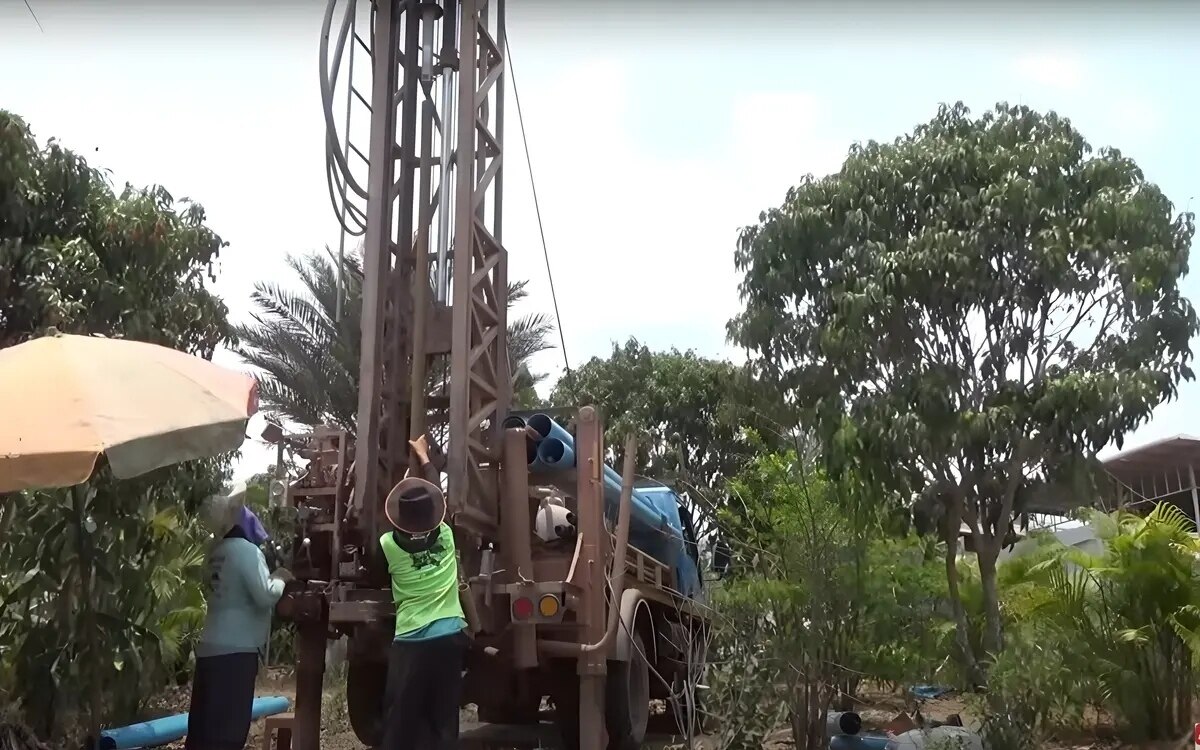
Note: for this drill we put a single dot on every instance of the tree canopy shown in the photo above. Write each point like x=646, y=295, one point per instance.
x=704, y=419
x=78, y=256
x=308, y=358
x=973, y=305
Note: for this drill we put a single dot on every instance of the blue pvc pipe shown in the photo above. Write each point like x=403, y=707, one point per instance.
x=555, y=455
x=515, y=422
x=546, y=427
x=556, y=451
x=858, y=742
x=170, y=728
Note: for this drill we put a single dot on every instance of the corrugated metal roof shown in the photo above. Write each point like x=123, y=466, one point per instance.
x=1160, y=456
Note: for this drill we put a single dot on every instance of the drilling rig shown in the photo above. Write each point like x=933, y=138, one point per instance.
x=580, y=582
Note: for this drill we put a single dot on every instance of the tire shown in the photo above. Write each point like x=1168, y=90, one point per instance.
x=366, y=685
x=627, y=698
x=626, y=703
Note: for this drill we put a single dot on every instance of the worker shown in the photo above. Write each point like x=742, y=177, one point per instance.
x=242, y=597
x=425, y=666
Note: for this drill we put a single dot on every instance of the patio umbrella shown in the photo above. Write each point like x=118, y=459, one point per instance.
x=67, y=400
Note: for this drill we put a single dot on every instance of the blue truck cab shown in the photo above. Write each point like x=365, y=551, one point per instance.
x=672, y=541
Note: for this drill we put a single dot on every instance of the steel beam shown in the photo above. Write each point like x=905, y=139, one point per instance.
x=372, y=469
x=480, y=381
x=595, y=550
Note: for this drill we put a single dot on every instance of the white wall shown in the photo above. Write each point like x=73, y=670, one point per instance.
x=1081, y=536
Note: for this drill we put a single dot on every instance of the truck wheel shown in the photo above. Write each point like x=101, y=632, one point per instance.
x=627, y=699
x=366, y=683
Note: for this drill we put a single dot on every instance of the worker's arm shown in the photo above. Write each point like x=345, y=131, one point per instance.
x=420, y=449
x=265, y=589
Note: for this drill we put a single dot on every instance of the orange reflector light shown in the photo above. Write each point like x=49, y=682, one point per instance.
x=522, y=609
x=548, y=606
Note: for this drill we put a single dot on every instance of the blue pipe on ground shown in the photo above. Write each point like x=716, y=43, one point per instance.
x=170, y=728
x=861, y=742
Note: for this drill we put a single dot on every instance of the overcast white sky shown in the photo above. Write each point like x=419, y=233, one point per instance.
x=656, y=129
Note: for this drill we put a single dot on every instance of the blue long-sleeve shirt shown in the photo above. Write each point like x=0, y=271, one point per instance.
x=241, y=602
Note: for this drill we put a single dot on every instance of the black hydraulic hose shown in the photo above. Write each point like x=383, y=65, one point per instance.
x=331, y=145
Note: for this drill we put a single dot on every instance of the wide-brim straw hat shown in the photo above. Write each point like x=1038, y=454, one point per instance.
x=415, y=490
x=221, y=512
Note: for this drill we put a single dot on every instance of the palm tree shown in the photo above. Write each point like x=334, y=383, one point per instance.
x=308, y=359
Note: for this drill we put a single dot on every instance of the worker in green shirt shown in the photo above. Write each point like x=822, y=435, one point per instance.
x=424, y=682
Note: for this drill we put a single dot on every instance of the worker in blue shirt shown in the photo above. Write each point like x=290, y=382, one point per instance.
x=238, y=623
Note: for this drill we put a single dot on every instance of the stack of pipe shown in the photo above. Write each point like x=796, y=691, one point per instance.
x=551, y=448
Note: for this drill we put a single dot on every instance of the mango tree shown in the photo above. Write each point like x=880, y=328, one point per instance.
x=972, y=307
x=78, y=256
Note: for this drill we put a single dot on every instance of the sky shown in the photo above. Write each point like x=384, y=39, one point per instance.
x=656, y=129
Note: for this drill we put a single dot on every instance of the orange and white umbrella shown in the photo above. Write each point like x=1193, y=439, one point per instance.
x=67, y=400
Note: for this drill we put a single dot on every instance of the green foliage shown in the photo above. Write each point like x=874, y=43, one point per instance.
x=99, y=587
x=309, y=358
x=904, y=632
x=1128, y=619
x=100, y=596
x=1034, y=688
x=974, y=305
x=77, y=256
x=842, y=600
x=743, y=674
x=702, y=419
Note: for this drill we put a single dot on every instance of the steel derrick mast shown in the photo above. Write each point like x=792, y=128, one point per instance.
x=434, y=349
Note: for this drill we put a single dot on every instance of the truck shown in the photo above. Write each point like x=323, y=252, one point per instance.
x=581, y=585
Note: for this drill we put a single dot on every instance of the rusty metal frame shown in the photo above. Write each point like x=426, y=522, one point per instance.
x=414, y=330
x=404, y=332
x=375, y=463
x=480, y=383
x=594, y=556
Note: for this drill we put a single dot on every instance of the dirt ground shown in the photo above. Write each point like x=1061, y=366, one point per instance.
x=877, y=709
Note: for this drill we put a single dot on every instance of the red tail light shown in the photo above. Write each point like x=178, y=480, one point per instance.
x=522, y=608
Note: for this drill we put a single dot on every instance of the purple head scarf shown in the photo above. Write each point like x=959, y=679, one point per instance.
x=251, y=527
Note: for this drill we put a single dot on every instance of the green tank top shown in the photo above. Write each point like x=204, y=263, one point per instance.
x=424, y=584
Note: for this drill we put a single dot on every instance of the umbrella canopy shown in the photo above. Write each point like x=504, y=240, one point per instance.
x=67, y=400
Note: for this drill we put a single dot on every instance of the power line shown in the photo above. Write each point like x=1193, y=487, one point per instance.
x=39, y=23
x=537, y=208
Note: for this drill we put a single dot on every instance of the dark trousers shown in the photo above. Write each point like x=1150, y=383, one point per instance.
x=424, y=685
x=222, y=701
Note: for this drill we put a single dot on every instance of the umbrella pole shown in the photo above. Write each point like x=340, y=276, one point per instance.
x=79, y=499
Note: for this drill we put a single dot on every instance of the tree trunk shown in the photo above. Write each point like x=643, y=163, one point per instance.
x=962, y=630
x=993, y=634
x=809, y=715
